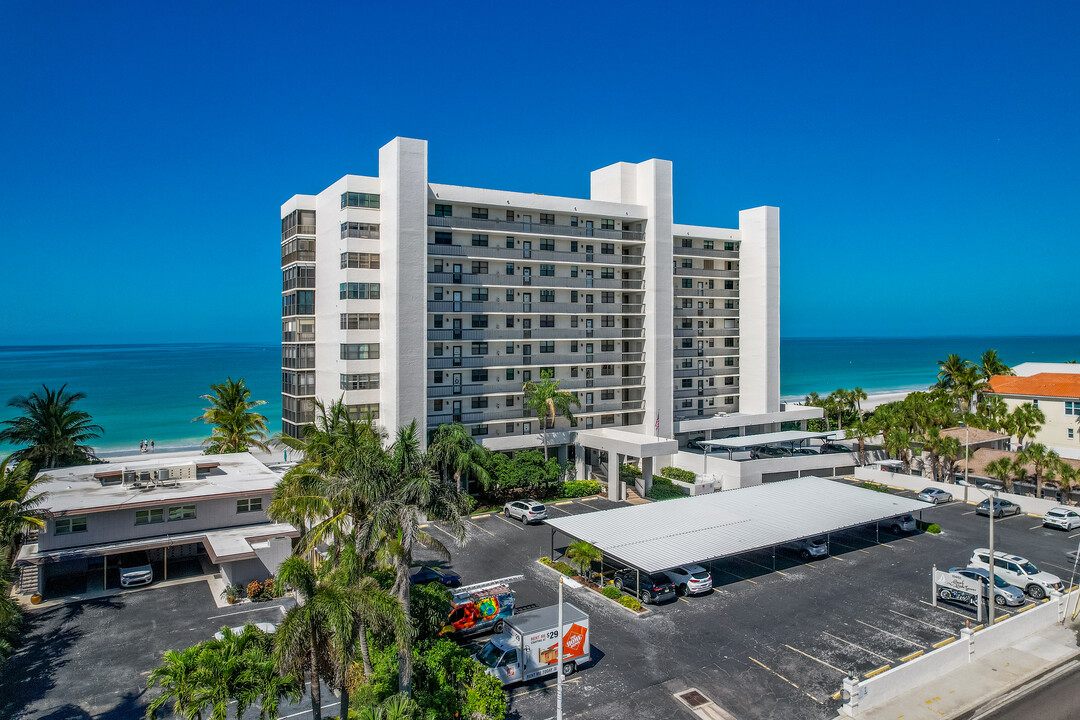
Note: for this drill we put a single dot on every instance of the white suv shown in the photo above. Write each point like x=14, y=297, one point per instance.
x=1063, y=518
x=135, y=569
x=526, y=511
x=1017, y=571
x=690, y=579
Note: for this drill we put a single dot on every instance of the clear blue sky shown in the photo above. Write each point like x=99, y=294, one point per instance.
x=924, y=156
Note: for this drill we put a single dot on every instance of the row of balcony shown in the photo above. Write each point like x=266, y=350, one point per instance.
x=539, y=281
x=472, y=417
x=480, y=252
x=543, y=333
x=513, y=387
x=706, y=371
x=703, y=253
x=709, y=312
x=298, y=230
x=705, y=272
x=533, y=306
x=706, y=332
x=538, y=359
x=707, y=392
x=508, y=227
x=716, y=351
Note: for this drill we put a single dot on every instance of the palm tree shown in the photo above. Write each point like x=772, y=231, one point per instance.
x=548, y=401
x=180, y=680
x=455, y=453
x=943, y=451
x=965, y=385
x=990, y=365
x=1025, y=420
x=51, y=432
x=898, y=442
x=1043, y=460
x=583, y=555
x=236, y=427
x=1067, y=477
x=304, y=641
x=994, y=412
x=860, y=430
x=395, y=707
x=19, y=502
x=1002, y=469
x=858, y=395
x=948, y=369
x=412, y=494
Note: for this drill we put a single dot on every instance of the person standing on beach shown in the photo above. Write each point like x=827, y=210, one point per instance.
x=151, y=446
x=142, y=447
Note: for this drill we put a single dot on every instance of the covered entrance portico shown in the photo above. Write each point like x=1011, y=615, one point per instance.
x=619, y=445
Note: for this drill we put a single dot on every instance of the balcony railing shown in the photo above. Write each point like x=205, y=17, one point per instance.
x=703, y=253
x=708, y=312
x=533, y=255
x=298, y=256
x=535, y=306
x=705, y=351
x=297, y=230
x=706, y=332
x=534, y=281
x=506, y=227
x=518, y=360
x=513, y=387
x=706, y=272
x=544, y=333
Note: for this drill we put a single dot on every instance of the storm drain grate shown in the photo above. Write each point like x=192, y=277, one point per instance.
x=693, y=698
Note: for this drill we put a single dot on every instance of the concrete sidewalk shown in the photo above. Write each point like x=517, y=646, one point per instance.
x=981, y=681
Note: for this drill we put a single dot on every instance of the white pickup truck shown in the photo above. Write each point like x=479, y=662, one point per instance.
x=528, y=648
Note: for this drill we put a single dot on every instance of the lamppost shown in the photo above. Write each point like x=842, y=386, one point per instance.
x=573, y=584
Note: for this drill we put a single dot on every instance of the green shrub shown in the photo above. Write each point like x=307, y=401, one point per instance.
x=679, y=474
x=664, y=489
x=934, y=529
x=632, y=603
x=611, y=592
x=564, y=568
x=580, y=488
x=876, y=487
x=629, y=473
x=545, y=560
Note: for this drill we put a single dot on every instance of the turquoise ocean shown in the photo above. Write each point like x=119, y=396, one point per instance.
x=138, y=392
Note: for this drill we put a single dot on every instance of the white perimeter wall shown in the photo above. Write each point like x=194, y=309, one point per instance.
x=913, y=482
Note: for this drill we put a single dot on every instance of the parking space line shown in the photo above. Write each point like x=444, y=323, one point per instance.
x=511, y=524
x=1034, y=515
x=1059, y=567
x=480, y=528
x=239, y=612
x=739, y=576
x=1072, y=536
x=565, y=502
x=564, y=512
x=850, y=547
x=764, y=567
x=953, y=612
x=970, y=512
x=481, y=517
x=865, y=650
x=908, y=540
x=436, y=527
x=817, y=660
x=582, y=502
x=922, y=622
x=1033, y=527
x=766, y=667
x=898, y=637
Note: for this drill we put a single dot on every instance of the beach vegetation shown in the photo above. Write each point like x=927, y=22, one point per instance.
x=50, y=431
x=236, y=426
x=547, y=402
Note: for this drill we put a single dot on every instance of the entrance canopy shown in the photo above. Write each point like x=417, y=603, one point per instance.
x=666, y=534
x=626, y=442
x=787, y=437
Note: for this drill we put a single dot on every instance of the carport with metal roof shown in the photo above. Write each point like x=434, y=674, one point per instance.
x=697, y=530
x=791, y=438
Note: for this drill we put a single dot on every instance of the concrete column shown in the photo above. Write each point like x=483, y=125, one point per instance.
x=579, y=461
x=646, y=476
x=759, y=310
x=403, y=244
x=614, y=461
x=560, y=454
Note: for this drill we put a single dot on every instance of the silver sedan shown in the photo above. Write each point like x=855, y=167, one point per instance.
x=935, y=495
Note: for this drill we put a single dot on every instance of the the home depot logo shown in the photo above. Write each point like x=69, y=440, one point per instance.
x=574, y=641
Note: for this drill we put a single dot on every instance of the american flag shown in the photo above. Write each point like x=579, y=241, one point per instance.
x=657, y=424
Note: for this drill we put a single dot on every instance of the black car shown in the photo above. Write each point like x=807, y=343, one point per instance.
x=655, y=587
x=831, y=448
x=426, y=575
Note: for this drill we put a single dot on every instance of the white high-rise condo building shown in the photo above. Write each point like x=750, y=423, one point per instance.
x=412, y=300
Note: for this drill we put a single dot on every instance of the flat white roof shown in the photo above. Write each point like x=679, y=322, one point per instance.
x=669, y=533
x=745, y=441
x=80, y=488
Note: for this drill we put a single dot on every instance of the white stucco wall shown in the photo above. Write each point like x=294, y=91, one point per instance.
x=759, y=310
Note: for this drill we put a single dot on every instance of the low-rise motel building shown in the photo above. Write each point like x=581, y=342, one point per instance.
x=1057, y=394
x=191, y=514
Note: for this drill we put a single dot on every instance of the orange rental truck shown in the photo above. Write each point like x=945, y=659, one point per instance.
x=528, y=647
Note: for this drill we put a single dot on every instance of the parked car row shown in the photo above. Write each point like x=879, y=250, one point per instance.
x=774, y=451
x=1014, y=577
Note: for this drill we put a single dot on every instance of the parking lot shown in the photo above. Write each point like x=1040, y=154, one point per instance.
x=764, y=643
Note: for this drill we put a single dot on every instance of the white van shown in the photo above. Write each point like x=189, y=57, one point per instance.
x=1017, y=571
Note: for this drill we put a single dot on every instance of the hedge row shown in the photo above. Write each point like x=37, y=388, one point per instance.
x=580, y=488
x=679, y=474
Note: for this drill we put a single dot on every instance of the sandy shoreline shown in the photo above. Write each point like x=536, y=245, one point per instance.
x=872, y=401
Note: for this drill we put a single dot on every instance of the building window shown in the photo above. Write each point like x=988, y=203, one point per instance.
x=1072, y=407
x=687, y=283
x=480, y=240
x=547, y=270
x=729, y=304
x=437, y=405
x=480, y=430
x=479, y=321
x=479, y=294
x=729, y=284
x=510, y=243
x=607, y=321
x=729, y=380
x=607, y=273
x=1035, y=402
x=182, y=512
x=364, y=261
x=1070, y=433
x=249, y=505
x=547, y=244
x=360, y=351
x=480, y=268
x=547, y=346
x=444, y=238
x=444, y=211
x=607, y=224
x=358, y=291
x=479, y=403
x=360, y=381
x=547, y=296
x=687, y=263
x=729, y=400
x=479, y=375
x=67, y=526
x=509, y=427
x=359, y=321
x=359, y=230
x=480, y=348
x=607, y=419
x=574, y=223
x=607, y=248
x=363, y=412
x=607, y=346
x=149, y=516
x=547, y=219
x=729, y=362
x=687, y=243
x=729, y=246
x=509, y=401
x=607, y=369
x=510, y=350
x=607, y=297
x=480, y=213
x=438, y=373
x=360, y=200
x=547, y=321
x=509, y=373
x=708, y=244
